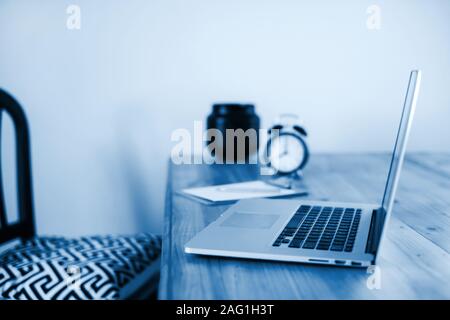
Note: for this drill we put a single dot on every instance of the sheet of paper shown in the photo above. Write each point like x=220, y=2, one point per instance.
x=242, y=190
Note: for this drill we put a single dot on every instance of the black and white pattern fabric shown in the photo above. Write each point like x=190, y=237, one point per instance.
x=95, y=267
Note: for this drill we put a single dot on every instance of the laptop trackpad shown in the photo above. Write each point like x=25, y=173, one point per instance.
x=250, y=220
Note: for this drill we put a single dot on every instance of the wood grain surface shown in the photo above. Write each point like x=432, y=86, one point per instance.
x=415, y=259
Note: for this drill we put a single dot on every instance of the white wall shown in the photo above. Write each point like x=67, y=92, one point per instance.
x=102, y=101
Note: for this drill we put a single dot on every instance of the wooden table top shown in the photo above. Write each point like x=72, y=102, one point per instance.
x=415, y=260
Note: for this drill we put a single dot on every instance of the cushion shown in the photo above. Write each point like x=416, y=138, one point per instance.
x=97, y=267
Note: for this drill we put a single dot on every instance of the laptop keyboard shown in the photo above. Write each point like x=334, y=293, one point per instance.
x=321, y=228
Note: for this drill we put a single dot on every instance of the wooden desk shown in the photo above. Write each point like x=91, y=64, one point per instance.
x=415, y=260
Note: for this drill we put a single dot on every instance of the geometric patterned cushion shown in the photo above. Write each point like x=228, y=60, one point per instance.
x=95, y=267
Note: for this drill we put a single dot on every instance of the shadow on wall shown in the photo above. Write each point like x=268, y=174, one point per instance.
x=139, y=187
x=136, y=191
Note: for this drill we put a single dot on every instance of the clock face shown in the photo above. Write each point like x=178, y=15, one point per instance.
x=286, y=153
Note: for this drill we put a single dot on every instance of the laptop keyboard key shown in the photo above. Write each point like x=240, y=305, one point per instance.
x=295, y=221
x=337, y=248
x=323, y=247
x=309, y=245
x=295, y=243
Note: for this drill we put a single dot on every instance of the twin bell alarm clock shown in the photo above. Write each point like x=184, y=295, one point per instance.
x=286, y=150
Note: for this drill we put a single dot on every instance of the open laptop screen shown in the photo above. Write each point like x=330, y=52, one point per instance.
x=398, y=155
x=401, y=140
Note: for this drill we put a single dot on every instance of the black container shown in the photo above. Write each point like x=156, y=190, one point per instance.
x=235, y=116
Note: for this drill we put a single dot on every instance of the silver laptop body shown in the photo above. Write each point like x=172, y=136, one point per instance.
x=337, y=233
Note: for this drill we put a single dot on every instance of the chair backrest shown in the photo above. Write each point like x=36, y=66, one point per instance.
x=24, y=228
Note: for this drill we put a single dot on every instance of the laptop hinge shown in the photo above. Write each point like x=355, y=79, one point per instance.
x=374, y=231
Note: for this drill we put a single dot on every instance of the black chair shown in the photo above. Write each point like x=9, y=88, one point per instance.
x=97, y=267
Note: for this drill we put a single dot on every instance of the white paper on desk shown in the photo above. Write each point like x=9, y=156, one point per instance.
x=242, y=190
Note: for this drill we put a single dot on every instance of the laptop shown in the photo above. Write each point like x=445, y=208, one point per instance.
x=320, y=232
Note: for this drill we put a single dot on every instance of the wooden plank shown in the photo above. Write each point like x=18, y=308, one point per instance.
x=411, y=265
x=436, y=162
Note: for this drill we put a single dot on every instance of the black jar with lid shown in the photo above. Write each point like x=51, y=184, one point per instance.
x=235, y=116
